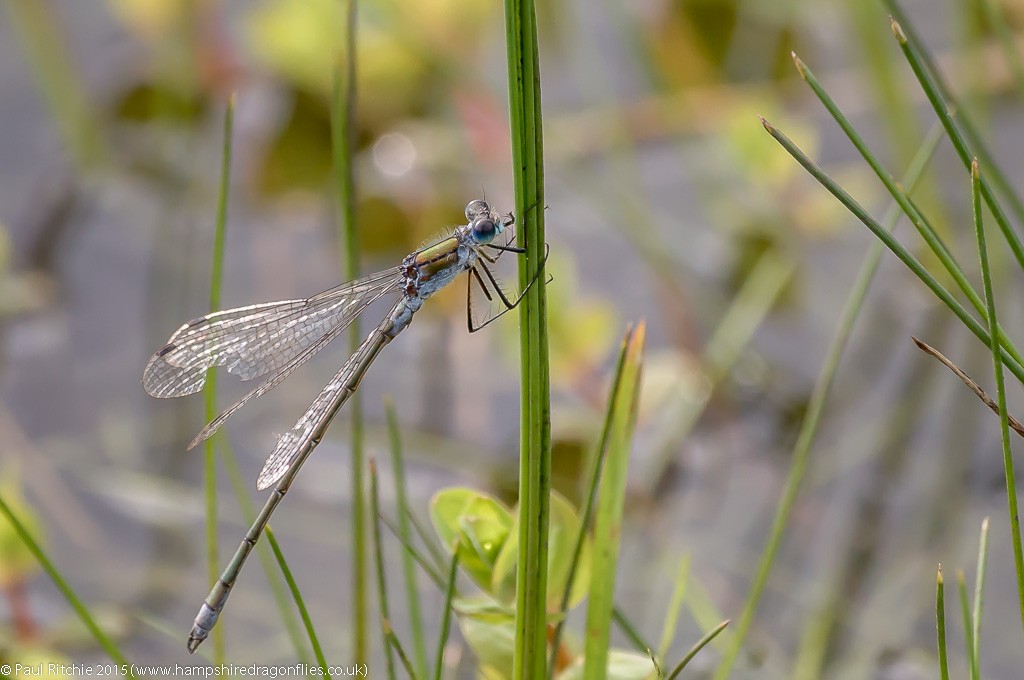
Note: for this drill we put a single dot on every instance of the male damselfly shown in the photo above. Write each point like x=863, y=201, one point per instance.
x=276, y=338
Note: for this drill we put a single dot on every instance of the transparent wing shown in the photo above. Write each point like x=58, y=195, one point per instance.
x=285, y=370
x=292, y=444
x=258, y=339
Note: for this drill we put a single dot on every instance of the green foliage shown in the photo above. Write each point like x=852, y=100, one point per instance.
x=486, y=534
x=479, y=526
x=969, y=148
x=621, y=665
x=483, y=533
x=610, y=507
x=30, y=541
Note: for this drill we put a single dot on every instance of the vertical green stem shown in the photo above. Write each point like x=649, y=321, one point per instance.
x=446, y=613
x=535, y=436
x=593, y=477
x=977, y=187
x=210, y=388
x=979, y=586
x=343, y=107
x=608, y=520
x=405, y=531
x=382, y=588
x=668, y=630
x=940, y=624
x=965, y=612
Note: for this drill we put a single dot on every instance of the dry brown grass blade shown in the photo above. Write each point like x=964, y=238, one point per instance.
x=967, y=380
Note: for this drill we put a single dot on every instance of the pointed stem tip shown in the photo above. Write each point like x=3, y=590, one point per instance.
x=801, y=67
x=897, y=31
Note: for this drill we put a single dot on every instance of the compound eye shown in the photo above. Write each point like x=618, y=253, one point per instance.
x=477, y=209
x=484, y=230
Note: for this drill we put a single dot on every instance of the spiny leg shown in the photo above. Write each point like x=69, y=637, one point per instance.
x=469, y=298
x=509, y=305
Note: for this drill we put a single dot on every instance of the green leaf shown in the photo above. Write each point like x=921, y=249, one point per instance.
x=480, y=524
x=565, y=525
x=493, y=643
x=482, y=608
x=622, y=665
x=611, y=500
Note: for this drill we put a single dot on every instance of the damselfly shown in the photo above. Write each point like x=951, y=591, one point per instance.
x=277, y=337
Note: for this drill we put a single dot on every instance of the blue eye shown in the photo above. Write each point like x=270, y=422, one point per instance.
x=484, y=230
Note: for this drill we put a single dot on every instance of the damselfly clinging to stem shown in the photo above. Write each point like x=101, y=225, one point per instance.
x=277, y=337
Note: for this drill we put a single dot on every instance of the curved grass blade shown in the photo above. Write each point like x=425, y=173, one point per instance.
x=703, y=642
x=629, y=630
x=280, y=599
x=819, y=398
x=421, y=559
x=942, y=110
x=892, y=244
x=438, y=560
x=307, y=621
x=928, y=233
x=943, y=92
x=69, y=594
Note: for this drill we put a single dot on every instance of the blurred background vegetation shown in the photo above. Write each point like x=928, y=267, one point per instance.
x=666, y=201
